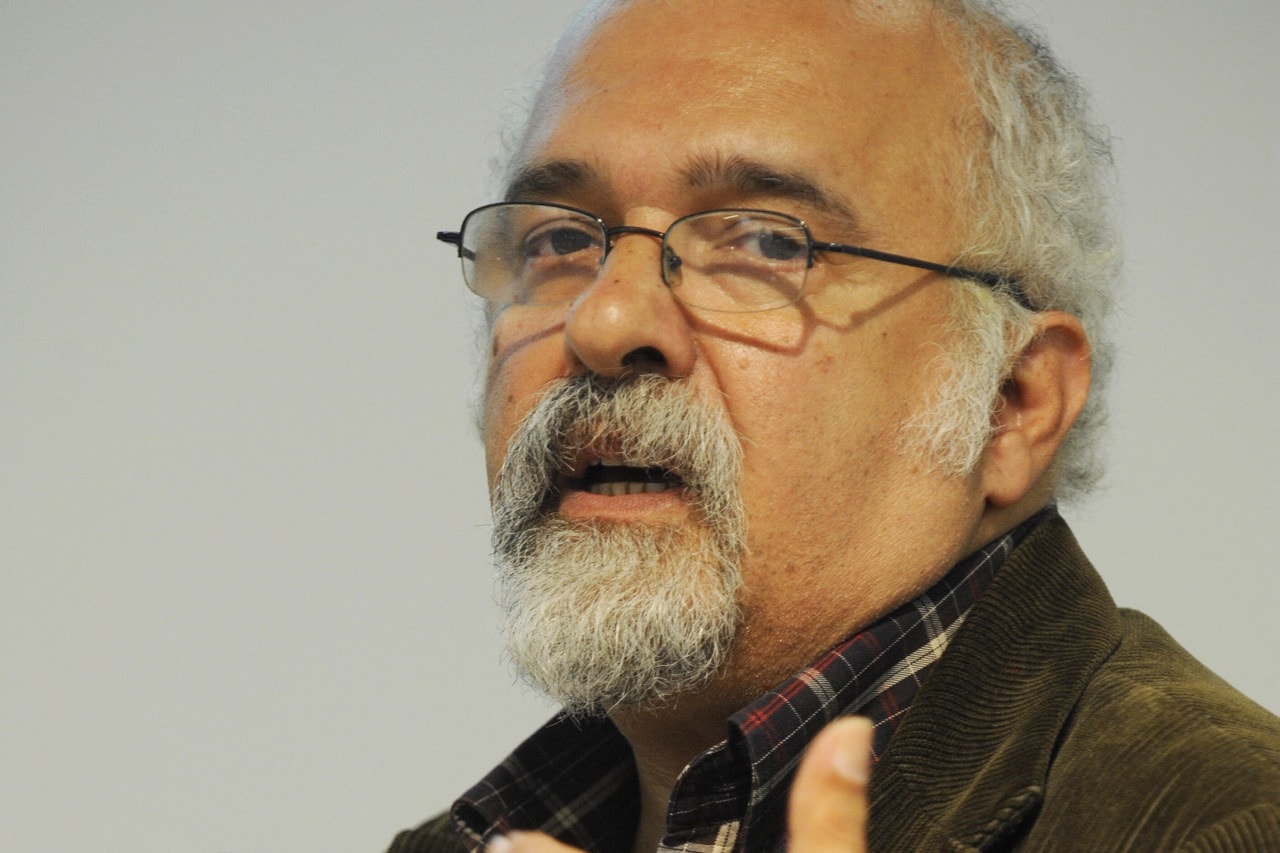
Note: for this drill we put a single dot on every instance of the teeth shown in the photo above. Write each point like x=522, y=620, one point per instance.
x=617, y=490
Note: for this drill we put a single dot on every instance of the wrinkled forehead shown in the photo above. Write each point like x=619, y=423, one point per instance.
x=878, y=49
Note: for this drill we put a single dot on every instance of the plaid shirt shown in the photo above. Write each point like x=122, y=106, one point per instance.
x=576, y=780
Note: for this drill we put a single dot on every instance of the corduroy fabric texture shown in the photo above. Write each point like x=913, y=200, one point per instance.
x=1056, y=722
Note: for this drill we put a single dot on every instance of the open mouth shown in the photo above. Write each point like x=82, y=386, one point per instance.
x=615, y=479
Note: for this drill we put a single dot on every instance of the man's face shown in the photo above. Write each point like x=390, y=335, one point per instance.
x=850, y=124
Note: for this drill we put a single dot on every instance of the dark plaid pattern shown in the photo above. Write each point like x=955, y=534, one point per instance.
x=576, y=779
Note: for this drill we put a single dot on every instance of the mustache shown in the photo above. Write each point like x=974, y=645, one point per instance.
x=645, y=421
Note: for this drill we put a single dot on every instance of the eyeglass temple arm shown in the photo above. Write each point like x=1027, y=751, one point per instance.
x=454, y=238
x=995, y=281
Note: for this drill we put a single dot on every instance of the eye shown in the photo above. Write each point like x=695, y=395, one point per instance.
x=560, y=238
x=556, y=257
x=777, y=245
x=759, y=236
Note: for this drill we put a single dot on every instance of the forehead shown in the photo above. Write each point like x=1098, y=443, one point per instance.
x=835, y=88
x=761, y=40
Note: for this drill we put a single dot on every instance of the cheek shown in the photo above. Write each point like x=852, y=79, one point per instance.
x=522, y=361
x=498, y=422
x=820, y=437
x=793, y=416
x=806, y=403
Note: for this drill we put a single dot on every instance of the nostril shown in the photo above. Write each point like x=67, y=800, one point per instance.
x=645, y=360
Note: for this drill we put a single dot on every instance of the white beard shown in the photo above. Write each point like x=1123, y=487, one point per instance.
x=604, y=615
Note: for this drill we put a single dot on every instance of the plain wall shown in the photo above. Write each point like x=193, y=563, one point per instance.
x=245, y=596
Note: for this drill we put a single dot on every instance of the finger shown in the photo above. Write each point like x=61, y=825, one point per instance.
x=828, y=808
x=527, y=842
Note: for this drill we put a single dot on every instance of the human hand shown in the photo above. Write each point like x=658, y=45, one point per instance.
x=828, y=808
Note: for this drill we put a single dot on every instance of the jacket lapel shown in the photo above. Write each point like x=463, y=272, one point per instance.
x=967, y=768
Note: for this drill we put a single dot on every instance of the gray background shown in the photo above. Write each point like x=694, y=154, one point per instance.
x=245, y=600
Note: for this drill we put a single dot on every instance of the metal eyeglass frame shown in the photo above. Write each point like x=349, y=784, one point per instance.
x=995, y=281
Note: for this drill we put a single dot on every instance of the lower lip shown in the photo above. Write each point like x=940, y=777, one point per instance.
x=579, y=504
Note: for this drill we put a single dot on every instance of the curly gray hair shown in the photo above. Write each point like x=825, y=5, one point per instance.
x=1036, y=189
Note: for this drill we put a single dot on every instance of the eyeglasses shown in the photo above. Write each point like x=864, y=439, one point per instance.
x=534, y=253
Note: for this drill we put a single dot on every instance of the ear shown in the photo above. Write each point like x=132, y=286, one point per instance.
x=1039, y=402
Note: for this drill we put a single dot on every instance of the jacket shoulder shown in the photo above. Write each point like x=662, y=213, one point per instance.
x=1166, y=751
x=434, y=836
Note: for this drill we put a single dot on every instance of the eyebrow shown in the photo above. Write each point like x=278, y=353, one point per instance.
x=735, y=175
x=550, y=179
x=742, y=176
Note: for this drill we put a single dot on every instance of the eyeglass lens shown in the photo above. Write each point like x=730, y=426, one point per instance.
x=728, y=260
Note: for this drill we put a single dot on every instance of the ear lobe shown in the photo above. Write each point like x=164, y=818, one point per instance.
x=1038, y=404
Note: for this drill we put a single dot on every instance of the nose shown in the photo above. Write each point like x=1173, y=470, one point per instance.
x=627, y=321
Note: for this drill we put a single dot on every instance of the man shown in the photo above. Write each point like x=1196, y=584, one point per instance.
x=795, y=312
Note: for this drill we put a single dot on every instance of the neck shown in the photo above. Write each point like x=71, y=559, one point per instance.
x=664, y=740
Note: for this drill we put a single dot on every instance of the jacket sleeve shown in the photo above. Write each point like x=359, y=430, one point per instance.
x=434, y=836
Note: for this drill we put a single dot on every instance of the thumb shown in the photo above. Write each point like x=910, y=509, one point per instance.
x=828, y=808
x=527, y=842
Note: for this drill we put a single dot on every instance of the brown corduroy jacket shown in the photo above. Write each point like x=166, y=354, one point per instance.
x=1056, y=721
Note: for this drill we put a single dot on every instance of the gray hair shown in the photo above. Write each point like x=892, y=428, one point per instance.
x=1035, y=191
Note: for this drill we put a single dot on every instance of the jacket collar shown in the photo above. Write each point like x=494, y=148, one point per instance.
x=967, y=768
